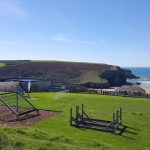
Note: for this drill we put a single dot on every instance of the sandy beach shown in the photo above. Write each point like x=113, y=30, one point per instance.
x=147, y=91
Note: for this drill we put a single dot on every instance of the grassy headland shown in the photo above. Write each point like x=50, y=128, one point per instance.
x=67, y=72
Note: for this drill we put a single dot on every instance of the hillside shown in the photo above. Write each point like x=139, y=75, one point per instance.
x=87, y=74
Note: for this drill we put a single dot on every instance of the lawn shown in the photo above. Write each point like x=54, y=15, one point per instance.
x=56, y=134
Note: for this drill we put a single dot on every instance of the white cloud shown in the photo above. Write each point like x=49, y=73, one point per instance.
x=67, y=40
x=86, y=42
x=60, y=38
x=12, y=8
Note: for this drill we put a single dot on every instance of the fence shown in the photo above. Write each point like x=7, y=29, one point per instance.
x=123, y=94
x=136, y=95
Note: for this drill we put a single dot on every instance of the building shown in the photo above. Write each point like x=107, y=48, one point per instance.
x=35, y=85
x=133, y=89
x=11, y=87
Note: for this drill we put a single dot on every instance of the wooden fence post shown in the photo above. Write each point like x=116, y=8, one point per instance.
x=114, y=122
x=113, y=117
x=121, y=116
x=77, y=115
x=17, y=102
x=82, y=111
x=70, y=116
x=117, y=117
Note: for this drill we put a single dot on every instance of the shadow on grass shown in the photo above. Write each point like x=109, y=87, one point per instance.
x=125, y=129
x=127, y=137
x=133, y=128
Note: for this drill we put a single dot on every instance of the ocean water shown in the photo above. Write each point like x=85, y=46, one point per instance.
x=144, y=74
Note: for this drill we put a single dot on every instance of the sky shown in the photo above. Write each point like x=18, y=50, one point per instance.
x=114, y=32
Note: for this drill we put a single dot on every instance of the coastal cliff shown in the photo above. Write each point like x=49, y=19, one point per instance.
x=91, y=75
x=117, y=77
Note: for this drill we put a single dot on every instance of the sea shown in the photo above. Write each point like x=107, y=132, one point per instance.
x=144, y=74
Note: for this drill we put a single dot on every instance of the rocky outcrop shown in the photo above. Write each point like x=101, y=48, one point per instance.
x=96, y=85
x=117, y=77
x=129, y=74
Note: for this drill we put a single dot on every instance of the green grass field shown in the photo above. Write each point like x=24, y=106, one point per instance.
x=2, y=64
x=56, y=134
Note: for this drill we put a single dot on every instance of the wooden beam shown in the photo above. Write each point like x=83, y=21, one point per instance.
x=121, y=116
x=77, y=115
x=70, y=116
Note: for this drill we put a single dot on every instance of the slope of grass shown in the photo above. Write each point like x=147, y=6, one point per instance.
x=63, y=61
x=114, y=68
x=55, y=133
x=89, y=76
x=2, y=64
x=55, y=71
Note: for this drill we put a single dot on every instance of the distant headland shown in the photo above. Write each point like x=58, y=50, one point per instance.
x=91, y=75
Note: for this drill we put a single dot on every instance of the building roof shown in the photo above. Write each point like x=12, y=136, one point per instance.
x=130, y=89
x=9, y=86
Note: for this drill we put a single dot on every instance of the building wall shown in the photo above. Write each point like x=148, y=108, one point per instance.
x=39, y=86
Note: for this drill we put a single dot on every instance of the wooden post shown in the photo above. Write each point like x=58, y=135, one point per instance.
x=17, y=102
x=117, y=117
x=121, y=116
x=77, y=115
x=28, y=95
x=70, y=116
x=113, y=117
x=82, y=110
x=101, y=86
x=114, y=122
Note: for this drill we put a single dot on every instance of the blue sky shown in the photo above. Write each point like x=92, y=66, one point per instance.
x=103, y=31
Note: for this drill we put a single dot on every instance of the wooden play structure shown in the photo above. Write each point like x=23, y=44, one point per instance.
x=17, y=104
x=82, y=120
x=14, y=100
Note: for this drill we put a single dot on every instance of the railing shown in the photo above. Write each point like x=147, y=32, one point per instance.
x=114, y=93
x=136, y=95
